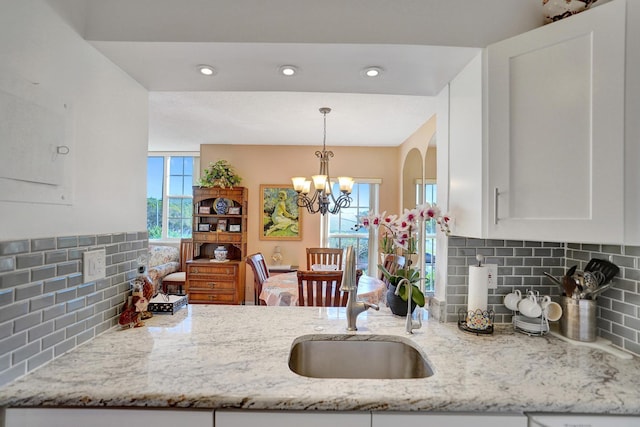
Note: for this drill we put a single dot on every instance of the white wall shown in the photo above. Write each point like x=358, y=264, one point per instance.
x=442, y=138
x=109, y=121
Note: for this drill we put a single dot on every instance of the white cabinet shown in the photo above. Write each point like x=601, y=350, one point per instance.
x=563, y=420
x=292, y=419
x=382, y=419
x=544, y=160
x=98, y=417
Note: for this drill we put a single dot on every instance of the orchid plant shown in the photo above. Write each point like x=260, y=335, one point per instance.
x=399, y=234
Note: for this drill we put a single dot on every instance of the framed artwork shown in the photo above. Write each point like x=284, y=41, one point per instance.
x=204, y=210
x=204, y=227
x=281, y=218
x=234, y=228
x=234, y=210
x=222, y=225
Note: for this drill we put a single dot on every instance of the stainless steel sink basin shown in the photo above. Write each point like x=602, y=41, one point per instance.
x=357, y=356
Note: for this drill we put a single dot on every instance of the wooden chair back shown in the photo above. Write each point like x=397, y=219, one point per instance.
x=321, y=289
x=392, y=263
x=260, y=274
x=186, y=253
x=324, y=256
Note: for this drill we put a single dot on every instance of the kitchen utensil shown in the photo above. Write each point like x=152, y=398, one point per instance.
x=594, y=294
x=569, y=285
x=593, y=279
x=607, y=268
x=553, y=279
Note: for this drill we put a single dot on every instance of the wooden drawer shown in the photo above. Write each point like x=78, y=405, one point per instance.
x=197, y=270
x=212, y=298
x=214, y=237
x=220, y=192
x=212, y=285
x=229, y=238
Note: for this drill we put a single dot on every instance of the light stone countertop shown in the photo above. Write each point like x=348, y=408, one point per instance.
x=207, y=356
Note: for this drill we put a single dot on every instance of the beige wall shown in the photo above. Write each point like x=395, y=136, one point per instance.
x=419, y=141
x=259, y=164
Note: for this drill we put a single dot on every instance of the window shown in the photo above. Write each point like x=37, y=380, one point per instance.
x=339, y=231
x=430, y=239
x=169, y=195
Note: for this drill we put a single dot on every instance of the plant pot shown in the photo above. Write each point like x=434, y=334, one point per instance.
x=397, y=305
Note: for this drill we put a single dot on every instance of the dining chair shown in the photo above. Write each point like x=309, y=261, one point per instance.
x=179, y=278
x=391, y=263
x=324, y=256
x=321, y=289
x=260, y=274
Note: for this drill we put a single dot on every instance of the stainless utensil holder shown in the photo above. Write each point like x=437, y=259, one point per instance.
x=578, y=321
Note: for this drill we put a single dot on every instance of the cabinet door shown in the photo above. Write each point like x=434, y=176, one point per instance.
x=555, y=130
x=60, y=417
x=292, y=419
x=381, y=419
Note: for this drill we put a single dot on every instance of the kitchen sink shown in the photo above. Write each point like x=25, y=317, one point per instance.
x=358, y=356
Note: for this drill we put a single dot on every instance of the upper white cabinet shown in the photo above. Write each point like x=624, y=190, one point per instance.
x=537, y=134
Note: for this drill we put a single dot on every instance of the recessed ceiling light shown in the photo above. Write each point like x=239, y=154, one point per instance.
x=288, y=70
x=372, y=71
x=206, y=70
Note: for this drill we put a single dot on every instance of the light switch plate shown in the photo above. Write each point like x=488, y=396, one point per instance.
x=94, y=265
x=493, y=276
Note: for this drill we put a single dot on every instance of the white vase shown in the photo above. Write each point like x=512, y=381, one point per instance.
x=220, y=253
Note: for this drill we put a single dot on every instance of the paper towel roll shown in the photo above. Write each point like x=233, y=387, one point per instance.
x=478, y=288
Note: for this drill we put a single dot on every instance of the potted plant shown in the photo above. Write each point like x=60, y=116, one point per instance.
x=400, y=282
x=401, y=233
x=219, y=174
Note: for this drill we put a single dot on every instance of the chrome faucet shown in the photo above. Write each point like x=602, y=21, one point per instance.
x=349, y=285
x=410, y=324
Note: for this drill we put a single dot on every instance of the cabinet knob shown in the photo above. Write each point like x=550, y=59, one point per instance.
x=211, y=284
x=195, y=271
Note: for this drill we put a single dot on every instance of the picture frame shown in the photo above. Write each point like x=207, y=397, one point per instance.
x=203, y=226
x=281, y=217
x=234, y=228
x=204, y=210
x=234, y=210
x=222, y=225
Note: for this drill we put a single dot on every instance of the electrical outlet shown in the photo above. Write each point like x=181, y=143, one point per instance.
x=94, y=265
x=493, y=276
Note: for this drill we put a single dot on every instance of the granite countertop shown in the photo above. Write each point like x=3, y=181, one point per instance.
x=208, y=356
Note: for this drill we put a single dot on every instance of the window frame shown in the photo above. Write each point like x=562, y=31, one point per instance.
x=374, y=204
x=167, y=155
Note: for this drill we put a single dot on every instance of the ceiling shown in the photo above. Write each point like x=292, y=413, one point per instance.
x=419, y=44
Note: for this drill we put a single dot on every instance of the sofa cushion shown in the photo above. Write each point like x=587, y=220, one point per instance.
x=159, y=255
x=163, y=260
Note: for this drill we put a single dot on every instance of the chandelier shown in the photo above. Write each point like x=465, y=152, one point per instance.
x=323, y=199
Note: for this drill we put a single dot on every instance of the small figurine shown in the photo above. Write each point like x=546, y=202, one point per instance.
x=142, y=286
x=132, y=311
x=136, y=308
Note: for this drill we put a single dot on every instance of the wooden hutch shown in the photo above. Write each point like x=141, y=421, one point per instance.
x=219, y=219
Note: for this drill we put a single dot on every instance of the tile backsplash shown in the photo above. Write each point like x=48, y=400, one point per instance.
x=46, y=308
x=521, y=265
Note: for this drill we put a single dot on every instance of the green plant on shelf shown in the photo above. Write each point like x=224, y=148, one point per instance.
x=219, y=174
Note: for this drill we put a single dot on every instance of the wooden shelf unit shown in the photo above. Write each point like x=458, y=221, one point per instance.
x=218, y=282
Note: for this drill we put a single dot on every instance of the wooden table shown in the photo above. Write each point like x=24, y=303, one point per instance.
x=282, y=290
